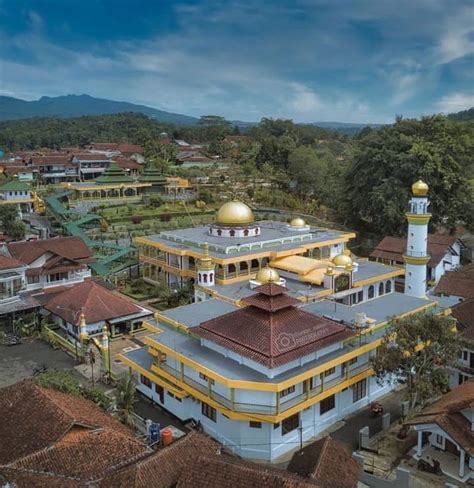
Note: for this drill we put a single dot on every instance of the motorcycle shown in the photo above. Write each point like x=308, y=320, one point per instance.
x=37, y=371
x=376, y=409
x=426, y=466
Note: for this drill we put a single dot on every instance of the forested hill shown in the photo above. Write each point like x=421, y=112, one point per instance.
x=465, y=115
x=54, y=132
x=78, y=105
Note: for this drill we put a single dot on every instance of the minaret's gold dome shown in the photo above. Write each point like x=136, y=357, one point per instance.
x=267, y=275
x=235, y=213
x=420, y=189
x=342, y=260
x=298, y=222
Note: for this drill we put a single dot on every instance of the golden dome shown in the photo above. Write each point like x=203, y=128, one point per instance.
x=342, y=260
x=267, y=275
x=298, y=222
x=420, y=189
x=235, y=213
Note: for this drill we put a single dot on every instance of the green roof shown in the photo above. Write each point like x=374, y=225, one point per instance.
x=114, y=174
x=151, y=174
x=15, y=185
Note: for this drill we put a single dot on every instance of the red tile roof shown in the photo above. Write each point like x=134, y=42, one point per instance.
x=34, y=418
x=127, y=163
x=164, y=467
x=271, y=330
x=393, y=248
x=327, y=462
x=464, y=314
x=90, y=157
x=96, y=302
x=225, y=472
x=6, y=262
x=459, y=283
x=51, y=159
x=446, y=412
x=72, y=248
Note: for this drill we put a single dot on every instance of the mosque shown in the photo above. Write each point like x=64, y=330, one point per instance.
x=277, y=344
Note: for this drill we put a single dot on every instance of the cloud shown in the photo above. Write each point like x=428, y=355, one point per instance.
x=405, y=88
x=455, y=102
x=457, y=39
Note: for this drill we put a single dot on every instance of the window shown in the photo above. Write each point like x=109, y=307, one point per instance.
x=275, y=426
x=145, y=381
x=327, y=404
x=388, y=287
x=371, y=292
x=173, y=396
x=206, y=378
x=287, y=391
x=208, y=411
x=359, y=390
x=289, y=424
x=360, y=296
x=353, y=360
x=255, y=425
x=381, y=289
x=464, y=355
x=329, y=372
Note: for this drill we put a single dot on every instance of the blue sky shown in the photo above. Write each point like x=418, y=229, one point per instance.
x=309, y=60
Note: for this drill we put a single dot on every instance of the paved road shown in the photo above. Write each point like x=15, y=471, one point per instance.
x=18, y=362
x=348, y=434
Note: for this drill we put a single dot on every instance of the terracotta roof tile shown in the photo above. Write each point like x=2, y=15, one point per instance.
x=459, y=283
x=34, y=418
x=464, y=314
x=446, y=412
x=224, y=472
x=7, y=262
x=271, y=330
x=164, y=467
x=327, y=462
x=393, y=248
x=72, y=248
x=96, y=302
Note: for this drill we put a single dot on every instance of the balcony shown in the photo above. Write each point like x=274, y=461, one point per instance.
x=191, y=386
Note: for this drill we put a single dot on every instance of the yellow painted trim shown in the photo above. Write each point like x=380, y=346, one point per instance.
x=152, y=377
x=418, y=219
x=416, y=260
x=375, y=279
x=18, y=200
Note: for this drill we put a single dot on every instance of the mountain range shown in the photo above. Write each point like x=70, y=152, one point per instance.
x=78, y=105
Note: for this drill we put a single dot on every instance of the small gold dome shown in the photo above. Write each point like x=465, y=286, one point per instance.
x=235, y=213
x=298, y=222
x=267, y=275
x=420, y=188
x=342, y=260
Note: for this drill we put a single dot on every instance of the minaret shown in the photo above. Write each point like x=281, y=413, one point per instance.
x=416, y=256
x=105, y=349
x=205, y=275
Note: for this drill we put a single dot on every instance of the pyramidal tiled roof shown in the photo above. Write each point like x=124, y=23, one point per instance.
x=271, y=329
x=151, y=174
x=114, y=174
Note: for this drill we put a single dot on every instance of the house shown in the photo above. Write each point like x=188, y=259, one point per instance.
x=54, y=439
x=99, y=306
x=19, y=194
x=52, y=262
x=446, y=429
x=236, y=140
x=191, y=157
x=89, y=165
x=457, y=283
x=321, y=461
x=55, y=168
x=444, y=251
x=129, y=165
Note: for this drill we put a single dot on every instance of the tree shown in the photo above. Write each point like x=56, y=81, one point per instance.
x=11, y=224
x=309, y=171
x=418, y=351
x=126, y=397
x=209, y=120
x=388, y=161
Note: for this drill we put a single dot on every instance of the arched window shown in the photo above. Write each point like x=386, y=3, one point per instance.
x=246, y=232
x=219, y=232
x=205, y=277
x=211, y=277
x=371, y=291
x=388, y=287
x=244, y=266
x=381, y=289
x=257, y=231
x=232, y=233
x=199, y=277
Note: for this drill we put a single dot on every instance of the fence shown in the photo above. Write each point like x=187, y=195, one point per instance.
x=58, y=340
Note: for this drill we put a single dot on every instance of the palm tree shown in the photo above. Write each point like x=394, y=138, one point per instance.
x=125, y=397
